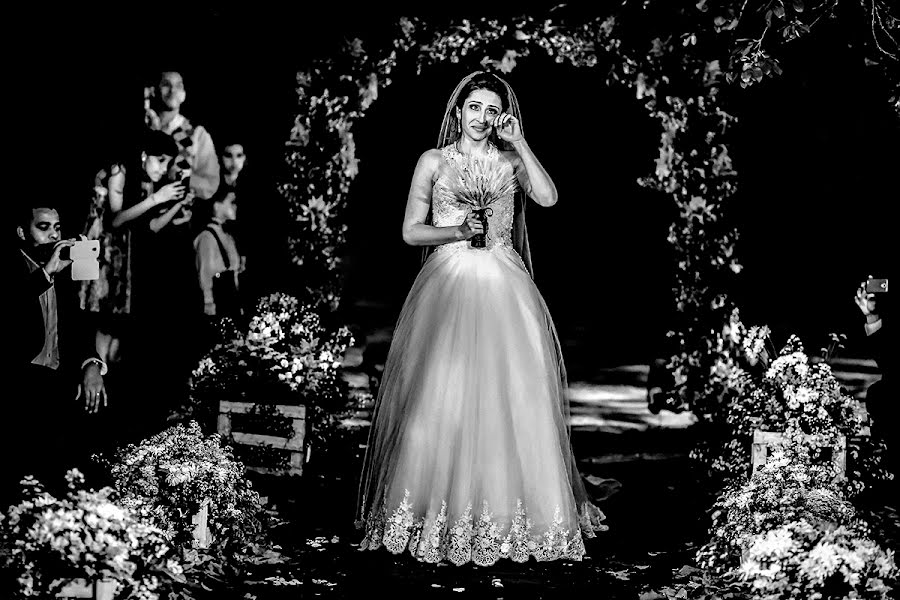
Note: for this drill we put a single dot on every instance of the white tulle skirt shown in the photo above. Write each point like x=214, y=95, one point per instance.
x=469, y=457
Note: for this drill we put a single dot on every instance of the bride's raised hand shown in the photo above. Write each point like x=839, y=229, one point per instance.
x=471, y=226
x=507, y=127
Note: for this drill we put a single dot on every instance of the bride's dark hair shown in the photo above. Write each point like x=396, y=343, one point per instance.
x=484, y=81
x=477, y=80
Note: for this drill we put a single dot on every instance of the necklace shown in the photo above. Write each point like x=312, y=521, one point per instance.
x=488, y=152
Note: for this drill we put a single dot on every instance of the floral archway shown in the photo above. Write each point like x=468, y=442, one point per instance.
x=658, y=51
x=693, y=168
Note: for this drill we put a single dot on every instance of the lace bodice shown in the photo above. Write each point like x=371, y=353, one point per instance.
x=446, y=211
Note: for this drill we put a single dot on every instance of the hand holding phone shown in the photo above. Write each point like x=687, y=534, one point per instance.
x=50, y=255
x=169, y=192
x=85, y=255
x=876, y=286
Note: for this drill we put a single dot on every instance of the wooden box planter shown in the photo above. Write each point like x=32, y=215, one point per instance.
x=763, y=439
x=863, y=413
x=294, y=444
x=82, y=588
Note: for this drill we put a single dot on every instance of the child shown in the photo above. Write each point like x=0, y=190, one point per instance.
x=218, y=262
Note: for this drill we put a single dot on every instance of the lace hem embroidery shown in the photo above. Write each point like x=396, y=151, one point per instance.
x=481, y=540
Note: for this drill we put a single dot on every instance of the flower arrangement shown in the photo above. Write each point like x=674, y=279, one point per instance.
x=85, y=535
x=788, y=487
x=790, y=532
x=792, y=393
x=286, y=356
x=175, y=471
x=802, y=560
x=477, y=182
x=286, y=344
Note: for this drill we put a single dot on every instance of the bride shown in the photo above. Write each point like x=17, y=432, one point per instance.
x=469, y=457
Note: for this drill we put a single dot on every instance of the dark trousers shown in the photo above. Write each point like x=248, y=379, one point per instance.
x=883, y=407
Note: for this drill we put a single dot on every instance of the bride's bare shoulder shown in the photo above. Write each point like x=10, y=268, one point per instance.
x=429, y=161
x=431, y=156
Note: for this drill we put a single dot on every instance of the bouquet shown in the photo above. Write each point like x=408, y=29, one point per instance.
x=478, y=182
x=85, y=535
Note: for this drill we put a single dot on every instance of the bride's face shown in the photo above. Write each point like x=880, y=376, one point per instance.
x=478, y=112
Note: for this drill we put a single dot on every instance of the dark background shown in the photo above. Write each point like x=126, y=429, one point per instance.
x=816, y=150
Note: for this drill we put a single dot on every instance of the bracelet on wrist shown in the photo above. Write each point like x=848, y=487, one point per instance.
x=96, y=361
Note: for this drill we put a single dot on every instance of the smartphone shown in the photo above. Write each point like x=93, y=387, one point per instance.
x=875, y=286
x=81, y=250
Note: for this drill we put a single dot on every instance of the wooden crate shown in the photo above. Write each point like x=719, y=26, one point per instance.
x=864, y=415
x=82, y=588
x=294, y=444
x=202, y=536
x=763, y=439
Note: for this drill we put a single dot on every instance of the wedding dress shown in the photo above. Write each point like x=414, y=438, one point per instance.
x=469, y=457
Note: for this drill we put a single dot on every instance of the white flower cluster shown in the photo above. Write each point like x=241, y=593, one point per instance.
x=800, y=560
x=272, y=315
x=790, y=532
x=754, y=342
x=175, y=471
x=86, y=533
x=795, y=361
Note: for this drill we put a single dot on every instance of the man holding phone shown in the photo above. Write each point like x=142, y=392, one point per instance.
x=58, y=375
x=881, y=400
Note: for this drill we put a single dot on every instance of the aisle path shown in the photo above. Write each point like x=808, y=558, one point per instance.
x=656, y=513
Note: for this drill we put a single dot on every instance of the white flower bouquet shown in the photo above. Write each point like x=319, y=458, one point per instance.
x=85, y=535
x=478, y=182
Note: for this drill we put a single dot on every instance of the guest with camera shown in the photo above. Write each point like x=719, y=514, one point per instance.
x=197, y=164
x=58, y=375
x=881, y=400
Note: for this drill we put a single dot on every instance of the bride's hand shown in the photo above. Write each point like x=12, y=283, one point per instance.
x=507, y=127
x=471, y=226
